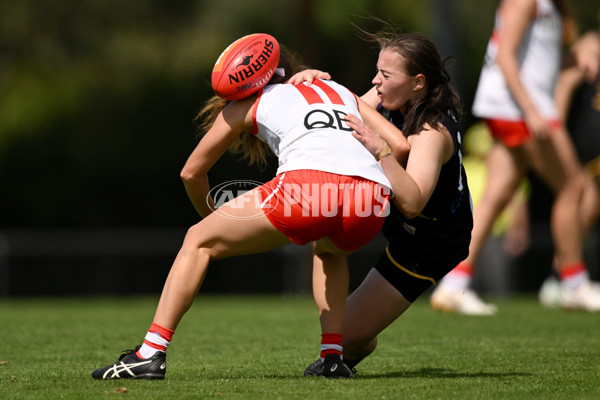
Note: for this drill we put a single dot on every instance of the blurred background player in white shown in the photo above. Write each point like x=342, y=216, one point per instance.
x=515, y=97
x=577, y=98
x=320, y=154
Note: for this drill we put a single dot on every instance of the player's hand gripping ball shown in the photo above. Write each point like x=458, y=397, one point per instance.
x=245, y=66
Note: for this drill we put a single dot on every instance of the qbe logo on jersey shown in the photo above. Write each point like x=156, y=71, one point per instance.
x=237, y=194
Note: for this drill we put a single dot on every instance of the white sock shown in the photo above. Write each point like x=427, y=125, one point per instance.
x=152, y=341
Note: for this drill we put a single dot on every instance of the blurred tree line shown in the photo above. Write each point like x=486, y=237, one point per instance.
x=98, y=97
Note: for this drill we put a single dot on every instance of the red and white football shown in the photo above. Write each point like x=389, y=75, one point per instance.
x=245, y=66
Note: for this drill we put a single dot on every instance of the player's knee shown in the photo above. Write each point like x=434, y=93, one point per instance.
x=197, y=240
x=497, y=200
x=579, y=182
x=572, y=188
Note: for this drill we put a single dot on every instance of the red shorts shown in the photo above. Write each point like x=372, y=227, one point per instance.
x=307, y=205
x=511, y=133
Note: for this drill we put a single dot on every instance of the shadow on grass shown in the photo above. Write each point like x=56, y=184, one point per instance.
x=442, y=373
x=431, y=373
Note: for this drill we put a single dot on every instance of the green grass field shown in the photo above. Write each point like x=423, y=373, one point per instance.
x=253, y=347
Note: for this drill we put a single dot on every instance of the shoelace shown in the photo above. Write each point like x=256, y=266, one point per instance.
x=128, y=352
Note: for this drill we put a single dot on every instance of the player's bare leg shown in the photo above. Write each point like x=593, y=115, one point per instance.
x=238, y=227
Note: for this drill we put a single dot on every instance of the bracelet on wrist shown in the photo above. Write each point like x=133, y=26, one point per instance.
x=383, y=153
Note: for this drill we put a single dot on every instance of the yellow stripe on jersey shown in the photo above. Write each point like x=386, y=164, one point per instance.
x=407, y=271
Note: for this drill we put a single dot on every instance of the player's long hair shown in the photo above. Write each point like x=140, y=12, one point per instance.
x=570, y=27
x=247, y=145
x=420, y=57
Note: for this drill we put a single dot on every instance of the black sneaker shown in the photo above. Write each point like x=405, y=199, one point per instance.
x=314, y=369
x=132, y=367
x=332, y=367
x=335, y=367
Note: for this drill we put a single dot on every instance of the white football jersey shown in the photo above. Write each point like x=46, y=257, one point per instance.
x=539, y=64
x=304, y=127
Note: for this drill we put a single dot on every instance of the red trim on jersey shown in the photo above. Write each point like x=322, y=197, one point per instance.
x=310, y=94
x=495, y=37
x=332, y=94
x=312, y=97
x=254, y=123
x=356, y=99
